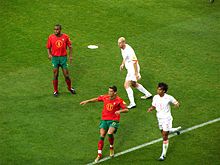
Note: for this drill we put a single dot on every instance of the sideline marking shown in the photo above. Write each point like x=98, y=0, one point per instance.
x=157, y=140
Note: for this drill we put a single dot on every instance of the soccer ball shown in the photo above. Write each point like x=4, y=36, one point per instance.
x=211, y=1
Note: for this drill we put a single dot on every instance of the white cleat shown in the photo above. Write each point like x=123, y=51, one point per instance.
x=162, y=158
x=146, y=97
x=178, y=130
x=97, y=159
x=130, y=106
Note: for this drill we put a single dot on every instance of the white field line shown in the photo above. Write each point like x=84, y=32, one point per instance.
x=157, y=140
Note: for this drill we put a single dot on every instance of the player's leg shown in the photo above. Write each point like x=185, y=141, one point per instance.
x=139, y=86
x=55, y=64
x=173, y=130
x=143, y=90
x=113, y=127
x=164, y=127
x=103, y=130
x=55, y=80
x=63, y=62
x=165, y=144
x=68, y=80
x=130, y=93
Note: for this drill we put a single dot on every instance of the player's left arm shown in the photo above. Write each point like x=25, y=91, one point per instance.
x=151, y=108
x=135, y=62
x=176, y=104
x=69, y=44
x=123, y=109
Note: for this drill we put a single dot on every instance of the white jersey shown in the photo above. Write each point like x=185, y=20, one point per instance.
x=129, y=58
x=162, y=105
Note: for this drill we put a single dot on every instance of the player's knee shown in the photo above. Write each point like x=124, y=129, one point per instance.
x=110, y=135
x=55, y=77
x=126, y=85
x=67, y=77
x=165, y=136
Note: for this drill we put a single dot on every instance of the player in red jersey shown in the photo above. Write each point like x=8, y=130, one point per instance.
x=113, y=106
x=57, y=52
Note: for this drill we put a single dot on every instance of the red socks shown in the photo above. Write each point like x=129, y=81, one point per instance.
x=68, y=82
x=100, y=144
x=55, y=85
x=111, y=139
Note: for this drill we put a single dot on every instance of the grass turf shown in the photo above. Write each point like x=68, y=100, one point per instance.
x=176, y=42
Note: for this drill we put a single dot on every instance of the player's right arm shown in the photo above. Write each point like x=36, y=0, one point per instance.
x=122, y=65
x=49, y=53
x=151, y=108
x=88, y=101
x=49, y=46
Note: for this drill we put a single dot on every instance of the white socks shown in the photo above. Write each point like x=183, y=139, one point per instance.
x=143, y=90
x=130, y=95
x=165, y=147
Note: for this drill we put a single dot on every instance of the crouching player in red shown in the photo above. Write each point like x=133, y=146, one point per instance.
x=113, y=106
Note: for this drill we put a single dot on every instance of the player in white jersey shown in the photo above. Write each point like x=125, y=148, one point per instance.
x=130, y=62
x=161, y=102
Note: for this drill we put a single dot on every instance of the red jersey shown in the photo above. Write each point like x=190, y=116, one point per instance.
x=58, y=45
x=111, y=106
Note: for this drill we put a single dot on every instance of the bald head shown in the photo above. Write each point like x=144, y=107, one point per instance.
x=121, y=42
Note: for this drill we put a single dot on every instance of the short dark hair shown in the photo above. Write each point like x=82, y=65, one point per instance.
x=163, y=86
x=114, y=88
x=60, y=27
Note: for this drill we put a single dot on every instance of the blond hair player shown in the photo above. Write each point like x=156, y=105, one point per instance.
x=130, y=62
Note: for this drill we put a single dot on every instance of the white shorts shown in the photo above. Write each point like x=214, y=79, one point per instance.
x=165, y=124
x=132, y=77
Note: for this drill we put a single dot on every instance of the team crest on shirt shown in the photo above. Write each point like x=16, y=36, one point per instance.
x=59, y=43
x=109, y=107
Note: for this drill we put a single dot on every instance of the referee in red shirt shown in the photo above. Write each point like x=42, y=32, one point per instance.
x=57, y=52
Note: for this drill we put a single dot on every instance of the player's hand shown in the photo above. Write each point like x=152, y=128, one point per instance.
x=49, y=56
x=118, y=112
x=137, y=76
x=83, y=102
x=70, y=59
x=121, y=67
x=177, y=105
x=149, y=109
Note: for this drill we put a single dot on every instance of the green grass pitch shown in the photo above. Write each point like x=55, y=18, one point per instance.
x=177, y=42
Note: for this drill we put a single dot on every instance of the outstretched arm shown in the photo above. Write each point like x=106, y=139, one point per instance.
x=88, y=101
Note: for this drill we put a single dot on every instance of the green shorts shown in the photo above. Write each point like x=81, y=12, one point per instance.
x=106, y=124
x=59, y=61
